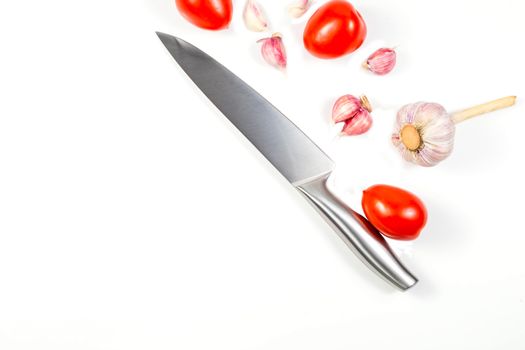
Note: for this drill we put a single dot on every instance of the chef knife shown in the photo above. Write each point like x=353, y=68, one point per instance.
x=289, y=150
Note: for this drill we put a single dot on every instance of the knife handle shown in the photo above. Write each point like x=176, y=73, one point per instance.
x=358, y=233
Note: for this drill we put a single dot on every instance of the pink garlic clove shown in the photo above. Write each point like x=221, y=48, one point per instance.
x=354, y=112
x=359, y=124
x=273, y=51
x=254, y=17
x=299, y=7
x=381, y=61
x=345, y=108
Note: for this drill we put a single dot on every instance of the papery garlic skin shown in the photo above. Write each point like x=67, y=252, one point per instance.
x=273, y=51
x=354, y=112
x=253, y=17
x=299, y=8
x=435, y=129
x=381, y=61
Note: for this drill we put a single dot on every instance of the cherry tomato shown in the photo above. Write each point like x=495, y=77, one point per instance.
x=334, y=30
x=207, y=14
x=394, y=212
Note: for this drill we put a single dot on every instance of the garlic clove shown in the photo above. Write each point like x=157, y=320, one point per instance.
x=254, y=17
x=354, y=112
x=345, y=108
x=424, y=133
x=360, y=123
x=299, y=8
x=273, y=51
x=381, y=61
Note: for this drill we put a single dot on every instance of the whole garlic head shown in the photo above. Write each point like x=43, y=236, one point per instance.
x=424, y=133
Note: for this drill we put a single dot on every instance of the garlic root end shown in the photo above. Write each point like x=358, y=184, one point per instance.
x=411, y=137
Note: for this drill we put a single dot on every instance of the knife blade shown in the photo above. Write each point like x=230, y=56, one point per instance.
x=291, y=152
x=277, y=138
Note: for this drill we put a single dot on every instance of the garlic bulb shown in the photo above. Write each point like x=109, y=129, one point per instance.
x=273, y=51
x=299, y=7
x=254, y=17
x=381, y=61
x=424, y=132
x=354, y=112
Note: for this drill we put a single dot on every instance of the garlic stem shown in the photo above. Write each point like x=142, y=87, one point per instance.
x=491, y=106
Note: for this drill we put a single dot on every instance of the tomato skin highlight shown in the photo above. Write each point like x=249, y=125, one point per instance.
x=334, y=30
x=207, y=14
x=396, y=213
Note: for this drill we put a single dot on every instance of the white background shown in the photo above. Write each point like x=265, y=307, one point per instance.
x=133, y=216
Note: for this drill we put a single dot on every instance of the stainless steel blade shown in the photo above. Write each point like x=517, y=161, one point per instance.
x=274, y=135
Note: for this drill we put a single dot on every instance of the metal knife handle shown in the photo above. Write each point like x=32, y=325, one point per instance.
x=358, y=233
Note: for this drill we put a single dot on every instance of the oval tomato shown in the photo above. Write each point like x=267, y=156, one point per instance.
x=334, y=30
x=207, y=14
x=396, y=213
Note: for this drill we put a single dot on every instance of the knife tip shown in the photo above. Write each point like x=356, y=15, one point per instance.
x=161, y=34
x=169, y=39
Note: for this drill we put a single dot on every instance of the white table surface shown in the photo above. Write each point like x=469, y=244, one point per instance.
x=133, y=216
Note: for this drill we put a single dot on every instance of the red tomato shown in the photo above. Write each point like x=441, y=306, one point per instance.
x=395, y=212
x=207, y=14
x=334, y=30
